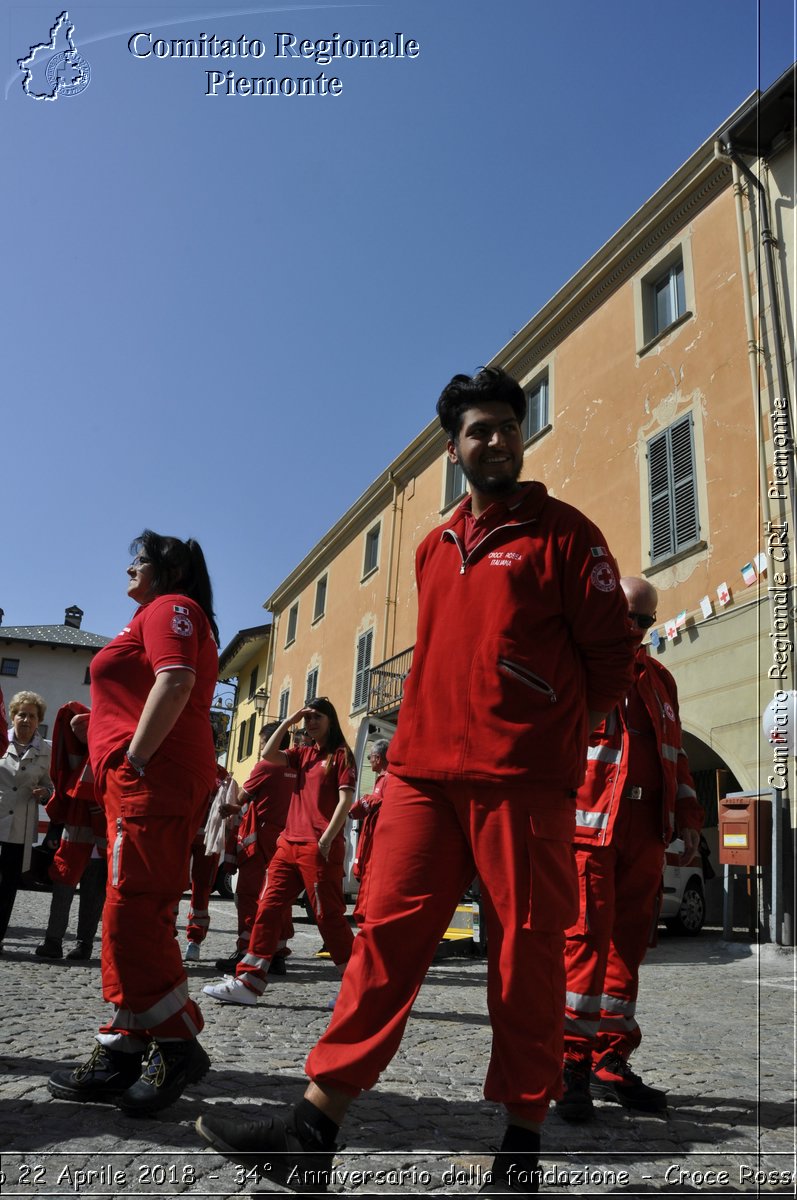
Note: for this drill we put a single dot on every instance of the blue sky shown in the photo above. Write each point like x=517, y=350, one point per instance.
x=224, y=315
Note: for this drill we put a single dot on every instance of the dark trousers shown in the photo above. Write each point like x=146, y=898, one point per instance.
x=11, y=856
x=91, y=901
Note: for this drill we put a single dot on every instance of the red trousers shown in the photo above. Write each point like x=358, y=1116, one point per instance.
x=363, y=859
x=294, y=867
x=252, y=870
x=432, y=838
x=151, y=825
x=619, y=889
x=204, y=868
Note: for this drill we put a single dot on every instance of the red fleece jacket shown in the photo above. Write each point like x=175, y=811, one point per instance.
x=516, y=642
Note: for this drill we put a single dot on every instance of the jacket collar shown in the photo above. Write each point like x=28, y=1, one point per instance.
x=528, y=504
x=20, y=751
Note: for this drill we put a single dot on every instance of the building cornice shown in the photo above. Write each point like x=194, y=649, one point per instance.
x=244, y=639
x=694, y=185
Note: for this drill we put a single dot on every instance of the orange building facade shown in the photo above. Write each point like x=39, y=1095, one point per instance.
x=660, y=381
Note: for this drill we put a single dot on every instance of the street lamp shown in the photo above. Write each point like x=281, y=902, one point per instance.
x=260, y=701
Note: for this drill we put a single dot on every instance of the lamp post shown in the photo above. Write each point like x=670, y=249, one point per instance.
x=260, y=701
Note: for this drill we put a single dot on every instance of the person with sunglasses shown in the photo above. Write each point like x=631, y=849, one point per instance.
x=153, y=760
x=637, y=796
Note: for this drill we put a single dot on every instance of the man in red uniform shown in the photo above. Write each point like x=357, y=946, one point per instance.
x=366, y=809
x=638, y=793
x=522, y=648
x=267, y=792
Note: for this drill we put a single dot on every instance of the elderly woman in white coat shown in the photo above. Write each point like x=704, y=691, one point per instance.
x=24, y=784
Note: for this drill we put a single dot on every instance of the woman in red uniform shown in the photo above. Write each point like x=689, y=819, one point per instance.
x=310, y=850
x=151, y=750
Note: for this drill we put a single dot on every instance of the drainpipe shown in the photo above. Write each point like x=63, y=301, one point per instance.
x=272, y=641
x=752, y=345
x=768, y=242
x=391, y=600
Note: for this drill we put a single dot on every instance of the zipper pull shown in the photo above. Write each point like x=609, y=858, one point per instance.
x=462, y=569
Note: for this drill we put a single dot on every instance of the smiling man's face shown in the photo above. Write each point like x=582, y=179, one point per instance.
x=489, y=449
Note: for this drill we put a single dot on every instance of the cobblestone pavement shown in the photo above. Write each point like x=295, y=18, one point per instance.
x=719, y=1025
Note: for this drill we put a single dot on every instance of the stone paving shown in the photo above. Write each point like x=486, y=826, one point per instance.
x=719, y=1024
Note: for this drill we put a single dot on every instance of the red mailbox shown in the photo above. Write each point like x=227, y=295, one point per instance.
x=745, y=830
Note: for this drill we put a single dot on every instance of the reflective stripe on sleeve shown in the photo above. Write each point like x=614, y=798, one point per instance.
x=592, y=820
x=603, y=754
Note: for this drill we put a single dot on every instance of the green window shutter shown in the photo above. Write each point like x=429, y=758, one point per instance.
x=672, y=487
x=362, y=672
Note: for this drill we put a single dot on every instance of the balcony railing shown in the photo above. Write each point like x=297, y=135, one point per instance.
x=386, y=687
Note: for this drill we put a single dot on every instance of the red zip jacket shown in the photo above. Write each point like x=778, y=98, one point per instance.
x=516, y=641
x=72, y=804
x=607, y=779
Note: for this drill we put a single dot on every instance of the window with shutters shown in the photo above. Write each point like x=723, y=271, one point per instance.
x=250, y=737
x=362, y=669
x=311, y=688
x=253, y=684
x=664, y=295
x=371, y=556
x=320, y=606
x=672, y=490
x=293, y=617
x=455, y=483
x=667, y=298
x=241, y=742
x=537, y=408
x=284, y=701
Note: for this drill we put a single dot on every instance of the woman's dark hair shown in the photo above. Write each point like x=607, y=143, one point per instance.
x=334, y=739
x=490, y=385
x=178, y=567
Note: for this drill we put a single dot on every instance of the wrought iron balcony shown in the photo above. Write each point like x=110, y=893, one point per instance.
x=386, y=685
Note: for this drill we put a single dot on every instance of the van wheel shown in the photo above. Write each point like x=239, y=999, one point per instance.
x=692, y=913
x=224, y=882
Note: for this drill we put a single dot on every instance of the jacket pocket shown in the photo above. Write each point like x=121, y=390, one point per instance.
x=581, y=924
x=527, y=677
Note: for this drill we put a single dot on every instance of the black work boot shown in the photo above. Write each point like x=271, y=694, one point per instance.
x=80, y=952
x=166, y=1072
x=613, y=1079
x=296, y=1153
x=227, y=965
x=107, y=1074
x=50, y=948
x=515, y=1170
x=576, y=1103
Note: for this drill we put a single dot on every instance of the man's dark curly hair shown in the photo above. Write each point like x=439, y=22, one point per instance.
x=490, y=385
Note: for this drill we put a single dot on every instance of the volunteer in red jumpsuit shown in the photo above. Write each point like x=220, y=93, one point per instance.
x=153, y=758
x=638, y=794
x=310, y=850
x=267, y=796
x=522, y=647
x=366, y=809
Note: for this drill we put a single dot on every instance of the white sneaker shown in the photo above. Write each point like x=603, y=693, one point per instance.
x=193, y=952
x=231, y=991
